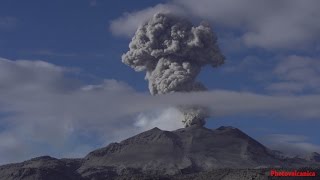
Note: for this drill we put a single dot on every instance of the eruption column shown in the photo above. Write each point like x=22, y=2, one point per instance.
x=172, y=52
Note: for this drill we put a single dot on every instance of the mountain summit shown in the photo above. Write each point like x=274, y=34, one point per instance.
x=185, y=150
x=156, y=152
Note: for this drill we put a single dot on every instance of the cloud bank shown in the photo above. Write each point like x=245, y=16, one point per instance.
x=292, y=144
x=45, y=109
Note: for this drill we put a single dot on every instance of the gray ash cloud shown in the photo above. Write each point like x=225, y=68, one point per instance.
x=172, y=51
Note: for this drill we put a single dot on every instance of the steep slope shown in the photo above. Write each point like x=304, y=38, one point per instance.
x=186, y=150
x=151, y=151
x=224, y=147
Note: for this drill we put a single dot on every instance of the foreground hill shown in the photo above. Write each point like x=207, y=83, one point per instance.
x=193, y=152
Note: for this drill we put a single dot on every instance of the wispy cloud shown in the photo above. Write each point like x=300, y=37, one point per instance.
x=45, y=53
x=52, y=53
x=267, y=24
x=297, y=74
x=291, y=144
x=127, y=24
x=290, y=74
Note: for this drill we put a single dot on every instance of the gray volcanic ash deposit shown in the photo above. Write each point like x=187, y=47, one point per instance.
x=172, y=52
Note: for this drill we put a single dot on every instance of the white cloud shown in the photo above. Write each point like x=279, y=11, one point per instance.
x=267, y=24
x=297, y=74
x=291, y=144
x=49, y=112
x=290, y=74
x=11, y=147
x=225, y=103
x=127, y=24
x=169, y=119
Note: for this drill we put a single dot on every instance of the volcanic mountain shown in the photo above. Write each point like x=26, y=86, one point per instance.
x=158, y=153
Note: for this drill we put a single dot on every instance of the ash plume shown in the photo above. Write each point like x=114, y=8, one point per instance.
x=172, y=52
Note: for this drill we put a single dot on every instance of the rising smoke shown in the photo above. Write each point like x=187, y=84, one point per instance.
x=172, y=52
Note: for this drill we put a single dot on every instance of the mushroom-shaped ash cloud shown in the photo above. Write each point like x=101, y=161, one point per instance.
x=172, y=51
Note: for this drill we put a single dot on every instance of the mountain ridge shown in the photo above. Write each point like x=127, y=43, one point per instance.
x=158, y=153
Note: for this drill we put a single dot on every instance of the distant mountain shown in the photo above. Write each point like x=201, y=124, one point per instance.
x=44, y=168
x=313, y=157
x=158, y=153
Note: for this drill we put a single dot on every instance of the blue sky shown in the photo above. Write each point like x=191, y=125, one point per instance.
x=52, y=51
x=71, y=33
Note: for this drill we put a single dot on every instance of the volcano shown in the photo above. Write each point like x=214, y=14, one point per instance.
x=162, y=154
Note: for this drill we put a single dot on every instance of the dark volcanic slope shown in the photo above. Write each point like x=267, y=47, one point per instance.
x=185, y=150
x=224, y=147
x=156, y=152
x=151, y=150
x=45, y=167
